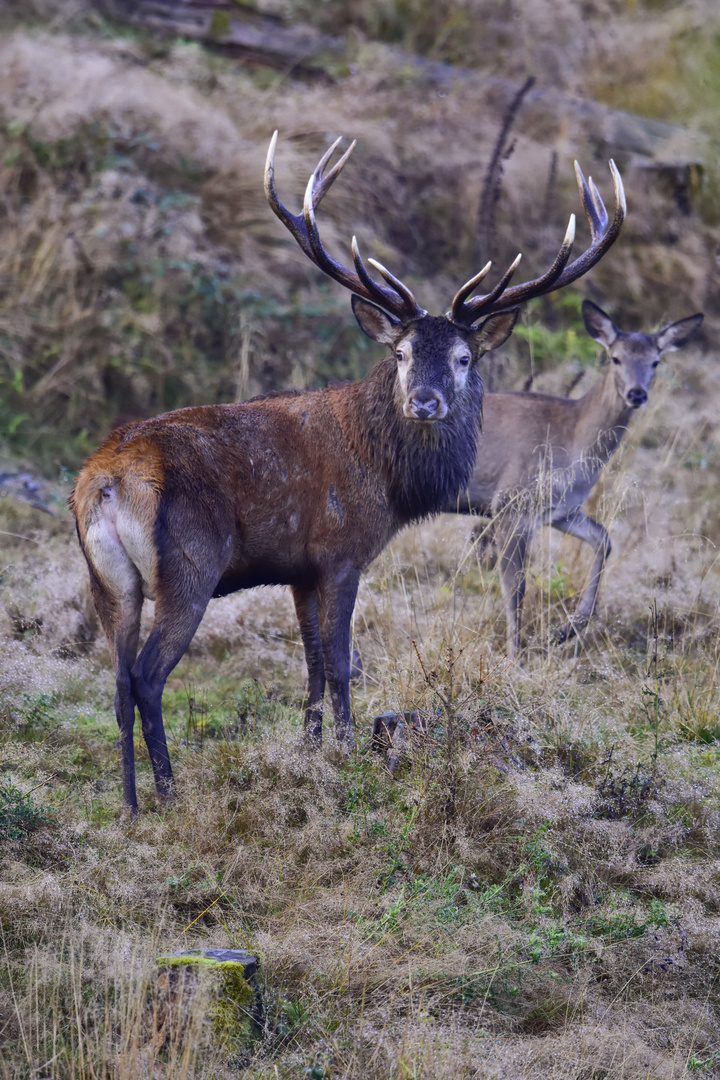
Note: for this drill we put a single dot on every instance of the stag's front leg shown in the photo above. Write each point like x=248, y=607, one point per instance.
x=336, y=600
x=306, y=608
x=593, y=533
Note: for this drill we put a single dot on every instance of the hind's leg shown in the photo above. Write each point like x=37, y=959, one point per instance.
x=178, y=612
x=593, y=533
x=513, y=546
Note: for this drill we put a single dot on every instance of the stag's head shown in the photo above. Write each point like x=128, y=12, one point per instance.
x=436, y=360
x=437, y=356
x=635, y=357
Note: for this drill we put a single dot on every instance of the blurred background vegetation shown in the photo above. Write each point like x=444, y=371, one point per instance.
x=141, y=270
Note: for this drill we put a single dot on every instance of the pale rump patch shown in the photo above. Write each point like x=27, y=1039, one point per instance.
x=120, y=545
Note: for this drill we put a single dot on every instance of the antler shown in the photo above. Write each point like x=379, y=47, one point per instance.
x=396, y=300
x=466, y=312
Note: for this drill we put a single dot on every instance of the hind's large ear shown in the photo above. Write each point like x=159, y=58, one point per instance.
x=494, y=331
x=375, y=322
x=598, y=324
x=676, y=334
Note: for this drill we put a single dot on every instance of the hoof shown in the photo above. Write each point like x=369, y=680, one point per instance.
x=166, y=792
x=569, y=631
x=346, y=742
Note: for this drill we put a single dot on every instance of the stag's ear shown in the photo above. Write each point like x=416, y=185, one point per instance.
x=375, y=322
x=494, y=331
x=598, y=325
x=676, y=334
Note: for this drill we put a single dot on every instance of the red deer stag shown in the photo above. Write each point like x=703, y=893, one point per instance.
x=540, y=456
x=295, y=488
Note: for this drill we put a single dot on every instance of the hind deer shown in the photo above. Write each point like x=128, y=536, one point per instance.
x=295, y=488
x=540, y=456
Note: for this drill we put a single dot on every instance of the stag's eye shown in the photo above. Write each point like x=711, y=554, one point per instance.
x=615, y=360
x=400, y=356
x=463, y=361
x=655, y=363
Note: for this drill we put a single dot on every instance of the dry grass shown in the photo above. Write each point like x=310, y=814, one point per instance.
x=535, y=892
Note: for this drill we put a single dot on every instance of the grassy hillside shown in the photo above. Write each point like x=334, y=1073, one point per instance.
x=533, y=892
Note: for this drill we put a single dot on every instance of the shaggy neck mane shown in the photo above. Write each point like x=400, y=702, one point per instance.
x=426, y=465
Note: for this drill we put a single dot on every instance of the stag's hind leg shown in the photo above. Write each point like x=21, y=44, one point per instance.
x=179, y=609
x=116, y=587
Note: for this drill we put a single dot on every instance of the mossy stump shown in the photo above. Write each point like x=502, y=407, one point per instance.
x=212, y=989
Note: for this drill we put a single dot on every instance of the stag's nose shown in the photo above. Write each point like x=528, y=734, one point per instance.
x=636, y=397
x=425, y=405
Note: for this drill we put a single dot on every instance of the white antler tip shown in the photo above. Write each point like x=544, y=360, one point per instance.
x=570, y=231
x=619, y=187
x=378, y=266
x=271, y=149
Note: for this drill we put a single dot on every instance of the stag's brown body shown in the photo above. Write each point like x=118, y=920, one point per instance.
x=269, y=491
x=301, y=489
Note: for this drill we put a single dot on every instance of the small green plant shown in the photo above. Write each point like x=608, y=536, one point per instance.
x=614, y=923
x=18, y=813
x=295, y=1016
x=695, y=1063
x=623, y=792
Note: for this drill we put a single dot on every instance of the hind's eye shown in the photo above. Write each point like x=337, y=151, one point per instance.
x=615, y=360
x=655, y=363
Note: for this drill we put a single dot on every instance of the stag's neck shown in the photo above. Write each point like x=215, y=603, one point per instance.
x=423, y=467
x=603, y=419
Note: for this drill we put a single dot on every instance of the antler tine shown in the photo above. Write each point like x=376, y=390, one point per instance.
x=320, y=184
x=598, y=204
x=400, y=288
x=561, y=272
x=373, y=289
x=593, y=213
x=397, y=300
x=292, y=221
x=465, y=311
x=463, y=293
